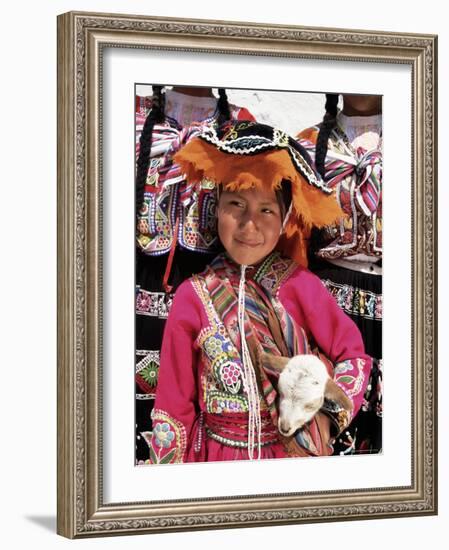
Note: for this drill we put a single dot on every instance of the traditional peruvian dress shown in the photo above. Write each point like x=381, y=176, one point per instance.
x=202, y=410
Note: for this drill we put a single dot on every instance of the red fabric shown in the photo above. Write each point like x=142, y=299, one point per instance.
x=244, y=114
x=182, y=374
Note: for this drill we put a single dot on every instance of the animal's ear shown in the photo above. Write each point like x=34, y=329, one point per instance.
x=273, y=362
x=333, y=392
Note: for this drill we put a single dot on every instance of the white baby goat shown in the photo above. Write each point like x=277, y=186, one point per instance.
x=303, y=384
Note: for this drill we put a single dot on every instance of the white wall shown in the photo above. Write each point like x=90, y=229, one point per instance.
x=274, y=108
x=28, y=271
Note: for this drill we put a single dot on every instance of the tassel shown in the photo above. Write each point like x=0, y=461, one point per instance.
x=168, y=288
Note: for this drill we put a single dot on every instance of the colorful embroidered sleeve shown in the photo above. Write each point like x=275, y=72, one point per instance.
x=176, y=401
x=315, y=309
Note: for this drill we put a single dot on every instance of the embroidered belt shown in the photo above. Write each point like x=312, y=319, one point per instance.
x=232, y=429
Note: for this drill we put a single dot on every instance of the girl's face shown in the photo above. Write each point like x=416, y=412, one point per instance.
x=249, y=224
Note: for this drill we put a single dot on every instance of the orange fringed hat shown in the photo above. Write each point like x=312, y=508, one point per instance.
x=242, y=155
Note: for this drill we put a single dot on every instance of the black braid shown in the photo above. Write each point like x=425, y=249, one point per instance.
x=155, y=116
x=224, y=112
x=328, y=124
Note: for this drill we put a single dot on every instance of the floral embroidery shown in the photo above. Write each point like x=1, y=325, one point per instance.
x=223, y=386
x=150, y=373
x=169, y=441
x=223, y=360
x=351, y=383
x=213, y=345
x=343, y=367
x=148, y=356
x=163, y=436
x=147, y=371
x=230, y=374
x=153, y=304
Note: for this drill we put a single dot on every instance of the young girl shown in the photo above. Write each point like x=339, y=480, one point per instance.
x=175, y=234
x=347, y=256
x=215, y=399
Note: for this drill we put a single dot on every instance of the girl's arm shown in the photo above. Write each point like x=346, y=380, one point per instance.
x=313, y=307
x=176, y=404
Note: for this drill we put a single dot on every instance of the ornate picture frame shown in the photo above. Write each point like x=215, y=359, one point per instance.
x=83, y=39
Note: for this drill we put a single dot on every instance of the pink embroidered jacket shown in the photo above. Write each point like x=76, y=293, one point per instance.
x=201, y=407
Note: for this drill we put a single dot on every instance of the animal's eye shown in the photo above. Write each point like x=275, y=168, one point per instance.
x=313, y=406
x=315, y=383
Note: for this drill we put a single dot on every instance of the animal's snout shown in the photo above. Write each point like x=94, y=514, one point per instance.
x=286, y=428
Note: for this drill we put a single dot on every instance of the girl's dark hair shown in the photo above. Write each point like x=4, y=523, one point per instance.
x=284, y=197
x=156, y=116
x=328, y=124
x=224, y=112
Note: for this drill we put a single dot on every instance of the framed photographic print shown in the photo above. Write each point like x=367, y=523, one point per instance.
x=115, y=74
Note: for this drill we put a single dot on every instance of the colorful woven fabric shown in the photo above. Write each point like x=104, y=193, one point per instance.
x=222, y=286
x=355, y=175
x=169, y=198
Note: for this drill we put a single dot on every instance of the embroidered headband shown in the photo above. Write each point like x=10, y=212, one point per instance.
x=245, y=154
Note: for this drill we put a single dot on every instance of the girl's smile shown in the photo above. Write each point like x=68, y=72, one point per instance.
x=249, y=224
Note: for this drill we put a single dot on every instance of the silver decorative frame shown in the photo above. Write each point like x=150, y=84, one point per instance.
x=81, y=38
